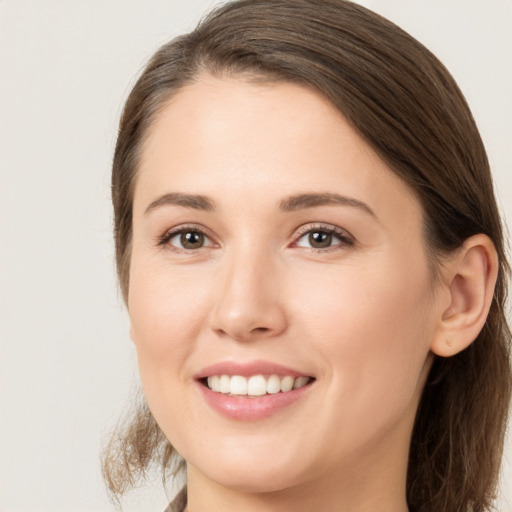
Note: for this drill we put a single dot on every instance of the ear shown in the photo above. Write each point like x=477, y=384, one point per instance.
x=470, y=277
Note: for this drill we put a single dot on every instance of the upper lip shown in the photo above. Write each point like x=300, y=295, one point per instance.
x=247, y=369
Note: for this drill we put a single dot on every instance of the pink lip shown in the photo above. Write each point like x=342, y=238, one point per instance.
x=248, y=369
x=244, y=408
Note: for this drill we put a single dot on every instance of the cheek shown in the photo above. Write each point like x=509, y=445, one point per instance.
x=165, y=318
x=373, y=328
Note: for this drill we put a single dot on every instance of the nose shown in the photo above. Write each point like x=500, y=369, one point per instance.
x=249, y=303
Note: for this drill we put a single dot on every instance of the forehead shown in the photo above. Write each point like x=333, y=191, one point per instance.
x=263, y=140
x=246, y=117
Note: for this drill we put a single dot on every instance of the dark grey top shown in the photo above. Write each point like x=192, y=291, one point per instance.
x=179, y=503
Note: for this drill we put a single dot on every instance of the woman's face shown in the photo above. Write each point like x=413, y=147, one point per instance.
x=272, y=248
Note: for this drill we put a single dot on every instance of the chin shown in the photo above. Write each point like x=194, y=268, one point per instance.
x=254, y=481
x=260, y=470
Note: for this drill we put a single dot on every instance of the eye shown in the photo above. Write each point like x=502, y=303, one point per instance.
x=324, y=237
x=186, y=239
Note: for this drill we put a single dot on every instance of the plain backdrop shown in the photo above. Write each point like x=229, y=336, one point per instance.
x=67, y=367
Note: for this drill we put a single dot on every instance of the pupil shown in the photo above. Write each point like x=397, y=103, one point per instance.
x=320, y=239
x=192, y=239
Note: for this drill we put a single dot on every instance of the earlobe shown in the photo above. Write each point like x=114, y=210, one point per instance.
x=470, y=277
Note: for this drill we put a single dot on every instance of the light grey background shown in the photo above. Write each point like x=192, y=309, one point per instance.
x=67, y=366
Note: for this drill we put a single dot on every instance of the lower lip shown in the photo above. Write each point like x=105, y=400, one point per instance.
x=244, y=408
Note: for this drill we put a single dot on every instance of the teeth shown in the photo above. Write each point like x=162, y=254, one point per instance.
x=287, y=384
x=238, y=385
x=257, y=385
x=213, y=383
x=273, y=385
x=225, y=384
x=299, y=382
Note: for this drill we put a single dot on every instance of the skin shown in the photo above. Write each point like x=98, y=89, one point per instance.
x=361, y=316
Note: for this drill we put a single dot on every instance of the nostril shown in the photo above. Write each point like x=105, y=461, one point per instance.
x=260, y=330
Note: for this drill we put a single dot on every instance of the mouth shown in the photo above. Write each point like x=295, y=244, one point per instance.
x=254, y=386
x=252, y=390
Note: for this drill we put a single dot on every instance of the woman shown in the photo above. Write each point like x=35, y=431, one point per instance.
x=312, y=258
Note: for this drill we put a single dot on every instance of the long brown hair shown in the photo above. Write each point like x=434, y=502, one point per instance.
x=406, y=105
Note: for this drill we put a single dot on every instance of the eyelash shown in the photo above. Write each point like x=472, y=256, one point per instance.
x=345, y=239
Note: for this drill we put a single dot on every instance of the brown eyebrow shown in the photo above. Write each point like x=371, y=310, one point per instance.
x=289, y=204
x=197, y=202
x=310, y=200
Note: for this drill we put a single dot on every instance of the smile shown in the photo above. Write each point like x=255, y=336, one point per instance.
x=252, y=390
x=255, y=385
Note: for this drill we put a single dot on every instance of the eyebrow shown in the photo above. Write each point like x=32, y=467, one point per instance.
x=310, y=200
x=197, y=202
x=288, y=204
